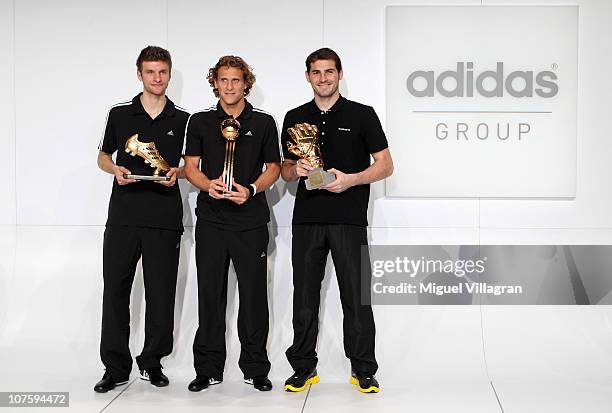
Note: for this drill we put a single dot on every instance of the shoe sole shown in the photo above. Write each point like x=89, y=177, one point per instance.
x=145, y=378
x=250, y=381
x=212, y=383
x=116, y=384
x=312, y=380
x=371, y=389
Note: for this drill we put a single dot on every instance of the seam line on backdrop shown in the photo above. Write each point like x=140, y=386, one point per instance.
x=497, y=396
x=117, y=396
x=167, y=24
x=306, y=398
x=371, y=227
x=15, y=117
x=483, y=111
x=323, y=23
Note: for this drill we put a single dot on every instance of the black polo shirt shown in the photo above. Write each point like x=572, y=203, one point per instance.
x=257, y=144
x=145, y=204
x=348, y=133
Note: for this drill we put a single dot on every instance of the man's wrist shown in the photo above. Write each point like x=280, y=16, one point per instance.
x=252, y=190
x=296, y=168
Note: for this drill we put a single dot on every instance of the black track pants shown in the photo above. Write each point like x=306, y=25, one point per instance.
x=310, y=246
x=123, y=247
x=247, y=250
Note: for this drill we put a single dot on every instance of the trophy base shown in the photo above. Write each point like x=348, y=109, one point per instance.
x=146, y=177
x=318, y=177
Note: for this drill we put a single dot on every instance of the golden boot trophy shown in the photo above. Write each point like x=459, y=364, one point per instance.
x=151, y=156
x=306, y=146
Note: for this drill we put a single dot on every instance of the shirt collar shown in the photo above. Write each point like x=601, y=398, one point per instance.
x=335, y=108
x=138, y=109
x=245, y=114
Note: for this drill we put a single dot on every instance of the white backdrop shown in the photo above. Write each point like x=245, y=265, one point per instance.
x=66, y=62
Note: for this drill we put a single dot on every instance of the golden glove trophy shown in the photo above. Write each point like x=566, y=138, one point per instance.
x=230, y=129
x=306, y=145
x=151, y=156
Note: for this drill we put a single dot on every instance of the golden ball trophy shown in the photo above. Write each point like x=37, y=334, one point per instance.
x=230, y=130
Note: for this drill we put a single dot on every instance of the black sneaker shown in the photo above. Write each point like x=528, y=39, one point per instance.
x=366, y=383
x=300, y=379
x=261, y=383
x=107, y=383
x=155, y=376
x=202, y=382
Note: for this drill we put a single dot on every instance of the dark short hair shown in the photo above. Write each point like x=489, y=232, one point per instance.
x=153, y=54
x=236, y=62
x=323, y=54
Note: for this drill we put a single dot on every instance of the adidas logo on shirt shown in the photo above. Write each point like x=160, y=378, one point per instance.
x=170, y=133
x=248, y=134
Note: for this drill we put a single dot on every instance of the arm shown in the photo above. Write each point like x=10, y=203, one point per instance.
x=107, y=147
x=263, y=182
x=174, y=174
x=268, y=177
x=105, y=162
x=199, y=180
x=293, y=170
x=380, y=169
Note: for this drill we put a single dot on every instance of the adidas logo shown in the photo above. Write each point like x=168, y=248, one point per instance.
x=344, y=129
x=248, y=134
x=170, y=133
x=263, y=254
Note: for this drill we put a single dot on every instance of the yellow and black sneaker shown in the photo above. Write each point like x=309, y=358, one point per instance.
x=301, y=379
x=365, y=383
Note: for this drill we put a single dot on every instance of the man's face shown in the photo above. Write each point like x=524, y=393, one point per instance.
x=155, y=77
x=324, y=77
x=230, y=84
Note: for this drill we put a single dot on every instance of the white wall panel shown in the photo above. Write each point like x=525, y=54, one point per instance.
x=7, y=114
x=545, y=236
x=7, y=269
x=391, y=213
x=56, y=290
x=593, y=202
x=73, y=61
x=423, y=236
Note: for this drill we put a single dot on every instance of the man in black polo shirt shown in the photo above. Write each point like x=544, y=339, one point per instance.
x=232, y=224
x=333, y=218
x=144, y=219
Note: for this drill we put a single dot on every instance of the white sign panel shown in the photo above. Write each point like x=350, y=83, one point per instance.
x=481, y=101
